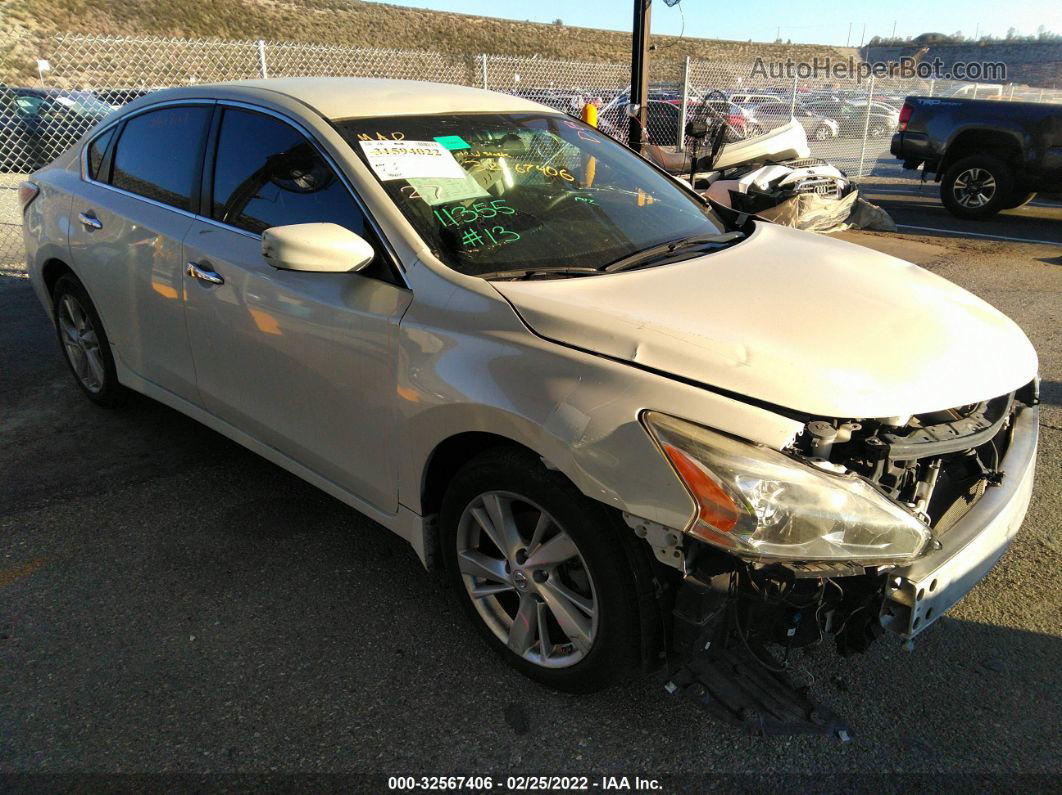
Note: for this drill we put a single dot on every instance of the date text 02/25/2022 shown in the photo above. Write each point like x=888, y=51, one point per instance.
x=525, y=783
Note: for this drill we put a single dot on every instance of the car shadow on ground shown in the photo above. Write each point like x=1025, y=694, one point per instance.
x=1051, y=392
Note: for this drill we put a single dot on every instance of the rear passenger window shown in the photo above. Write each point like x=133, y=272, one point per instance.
x=158, y=154
x=97, y=149
x=268, y=174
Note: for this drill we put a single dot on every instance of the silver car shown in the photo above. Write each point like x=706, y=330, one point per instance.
x=627, y=423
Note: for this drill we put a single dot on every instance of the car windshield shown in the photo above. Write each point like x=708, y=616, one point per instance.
x=498, y=193
x=84, y=103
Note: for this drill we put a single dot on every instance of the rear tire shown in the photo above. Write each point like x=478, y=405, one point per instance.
x=563, y=567
x=976, y=186
x=84, y=343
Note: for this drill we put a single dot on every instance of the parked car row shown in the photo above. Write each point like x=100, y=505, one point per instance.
x=822, y=114
x=39, y=124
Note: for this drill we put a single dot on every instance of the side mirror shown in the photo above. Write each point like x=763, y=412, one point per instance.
x=315, y=248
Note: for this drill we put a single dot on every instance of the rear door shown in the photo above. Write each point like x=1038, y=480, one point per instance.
x=304, y=362
x=136, y=205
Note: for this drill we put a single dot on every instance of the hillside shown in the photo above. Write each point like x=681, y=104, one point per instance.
x=27, y=25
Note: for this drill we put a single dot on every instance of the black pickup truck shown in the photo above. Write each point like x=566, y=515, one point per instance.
x=987, y=155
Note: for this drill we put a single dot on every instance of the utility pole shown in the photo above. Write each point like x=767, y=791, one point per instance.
x=849, y=39
x=639, y=74
x=894, y=28
x=863, y=34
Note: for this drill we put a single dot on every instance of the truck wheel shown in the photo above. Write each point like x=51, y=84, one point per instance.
x=539, y=570
x=977, y=186
x=1019, y=198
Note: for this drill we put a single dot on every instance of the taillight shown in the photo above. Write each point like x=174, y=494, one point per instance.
x=27, y=192
x=905, y=115
x=736, y=120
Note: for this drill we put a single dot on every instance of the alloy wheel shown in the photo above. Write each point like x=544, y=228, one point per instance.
x=527, y=579
x=974, y=187
x=81, y=344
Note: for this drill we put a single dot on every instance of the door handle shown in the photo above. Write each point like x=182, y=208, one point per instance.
x=90, y=221
x=204, y=274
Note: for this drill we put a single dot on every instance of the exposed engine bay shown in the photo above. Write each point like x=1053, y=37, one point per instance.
x=737, y=623
x=936, y=464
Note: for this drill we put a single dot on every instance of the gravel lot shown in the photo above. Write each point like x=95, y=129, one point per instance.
x=172, y=603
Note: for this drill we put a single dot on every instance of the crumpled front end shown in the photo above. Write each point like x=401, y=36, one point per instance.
x=972, y=536
x=966, y=473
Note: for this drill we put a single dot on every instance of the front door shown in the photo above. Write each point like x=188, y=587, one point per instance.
x=304, y=362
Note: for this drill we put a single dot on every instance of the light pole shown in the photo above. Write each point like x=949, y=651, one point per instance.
x=639, y=74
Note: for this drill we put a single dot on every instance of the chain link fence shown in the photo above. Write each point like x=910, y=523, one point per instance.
x=83, y=78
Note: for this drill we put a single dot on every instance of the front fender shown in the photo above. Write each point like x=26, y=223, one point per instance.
x=467, y=363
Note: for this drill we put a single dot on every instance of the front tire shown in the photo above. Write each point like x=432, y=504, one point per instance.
x=539, y=569
x=84, y=343
x=976, y=187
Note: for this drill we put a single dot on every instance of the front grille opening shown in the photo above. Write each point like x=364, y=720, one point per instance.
x=938, y=464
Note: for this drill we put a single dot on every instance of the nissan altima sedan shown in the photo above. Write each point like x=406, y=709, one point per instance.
x=635, y=429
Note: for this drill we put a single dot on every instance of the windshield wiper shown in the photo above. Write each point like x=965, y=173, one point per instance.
x=645, y=256
x=529, y=273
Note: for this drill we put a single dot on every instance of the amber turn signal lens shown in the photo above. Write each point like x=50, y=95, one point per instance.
x=714, y=506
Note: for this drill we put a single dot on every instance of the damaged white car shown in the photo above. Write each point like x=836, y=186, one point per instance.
x=636, y=432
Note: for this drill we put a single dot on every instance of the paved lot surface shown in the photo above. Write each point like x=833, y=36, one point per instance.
x=171, y=602
x=917, y=210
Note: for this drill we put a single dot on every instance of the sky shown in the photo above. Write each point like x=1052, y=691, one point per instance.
x=818, y=22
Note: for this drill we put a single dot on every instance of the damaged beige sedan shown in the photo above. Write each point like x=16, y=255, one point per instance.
x=638, y=430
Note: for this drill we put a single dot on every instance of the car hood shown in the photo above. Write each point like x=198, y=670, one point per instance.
x=794, y=319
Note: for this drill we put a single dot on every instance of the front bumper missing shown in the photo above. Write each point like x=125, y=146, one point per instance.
x=919, y=594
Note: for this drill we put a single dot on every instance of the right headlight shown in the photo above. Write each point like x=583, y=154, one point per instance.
x=757, y=502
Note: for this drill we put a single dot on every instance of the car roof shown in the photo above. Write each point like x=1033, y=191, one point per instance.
x=351, y=97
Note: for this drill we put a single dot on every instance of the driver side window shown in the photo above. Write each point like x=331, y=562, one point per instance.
x=268, y=174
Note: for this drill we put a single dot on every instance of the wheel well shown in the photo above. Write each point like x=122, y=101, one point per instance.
x=653, y=590
x=972, y=142
x=448, y=457
x=51, y=272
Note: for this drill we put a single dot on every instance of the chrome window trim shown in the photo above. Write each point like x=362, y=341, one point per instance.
x=228, y=227
x=389, y=251
x=145, y=199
